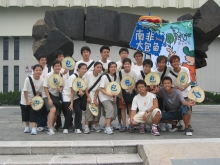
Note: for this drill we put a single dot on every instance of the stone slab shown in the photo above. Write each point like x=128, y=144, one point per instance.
x=15, y=147
x=210, y=161
x=74, y=159
x=29, y=159
x=131, y=159
x=4, y=158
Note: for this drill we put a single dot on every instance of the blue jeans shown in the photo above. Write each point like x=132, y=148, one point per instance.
x=177, y=115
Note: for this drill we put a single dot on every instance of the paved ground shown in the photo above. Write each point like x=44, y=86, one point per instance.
x=205, y=122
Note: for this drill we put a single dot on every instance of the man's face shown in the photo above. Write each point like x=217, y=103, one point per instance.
x=105, y=53
x=60, y=57
x=138, y=58
x=141, y=88
x=127, y=65
x=147, y=68
x=167, y=84
x=161, y=65
x=42, y=62
x=86, y=54
x=175, y=63
x=124, y=55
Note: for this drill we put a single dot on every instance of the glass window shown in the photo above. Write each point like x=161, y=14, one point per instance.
x=16, y=78
x=5, y=48
x=16, y=48
x=5, y=79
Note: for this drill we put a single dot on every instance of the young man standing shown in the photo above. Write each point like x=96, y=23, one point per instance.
x=85, y=52
x=176, y=106
x=123, y=53
x=146, y=65
x=162, y=70
x=175, y=71
x=148, y=112
x=138, y=56
x=104, y=51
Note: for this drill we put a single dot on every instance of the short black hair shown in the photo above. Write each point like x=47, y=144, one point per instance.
x=174, y=57
x=41, y=56
x=57, y=53
x=104, y=47
x=138, y=52
x=56, y=62
x=85, y=48
x=167, y=78
x=123, y=49
x=140, y=82
x=147, y=62
x=81, y=65
x=126, y=60
x=97, y=63
x=161, y=58
x=37, y=65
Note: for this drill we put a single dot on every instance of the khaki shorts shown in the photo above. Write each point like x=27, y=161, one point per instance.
x=110, y=109
x=138, y=118
x=89, y=116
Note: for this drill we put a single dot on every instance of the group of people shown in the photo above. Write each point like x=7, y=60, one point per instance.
x=141, y=104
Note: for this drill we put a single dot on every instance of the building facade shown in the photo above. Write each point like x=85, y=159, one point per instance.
x=17, y=18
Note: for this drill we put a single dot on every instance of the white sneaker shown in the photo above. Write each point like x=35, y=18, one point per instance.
x=33, y=131
x=65, y=131
x=54, y=129
x=86, y=131
x=39, y=129
x=162, y=127
x=108, y=130
x=50, y=131
x=78, y=131
x=119, y=126
x=188, y=132
x=97, y=128
x=26, y=130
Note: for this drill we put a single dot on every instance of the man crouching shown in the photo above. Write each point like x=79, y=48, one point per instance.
x=148, y=112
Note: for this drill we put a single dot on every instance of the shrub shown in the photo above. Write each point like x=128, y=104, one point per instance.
x=211, y=98
x=10, y=98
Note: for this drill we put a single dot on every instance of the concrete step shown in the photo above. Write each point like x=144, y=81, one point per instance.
x=67, y=147
x=91, y=159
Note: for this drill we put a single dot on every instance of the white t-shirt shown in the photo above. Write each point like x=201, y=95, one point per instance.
x=53, y=91
x=167, y=71
x=67, y=89
x=103, y=84
x=90, y=80
x=105, y=65
x=143, y=103
x=38, y=85
x=138, y=68
x=119, y=65
x=87, y=63
x=183, y=69
x=140, y=77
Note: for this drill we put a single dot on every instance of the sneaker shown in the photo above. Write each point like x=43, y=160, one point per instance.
x=54, y=129
x=97, y=128
x=78, y=131
x=190, y=128
x=65, y=131
x=86, y=130
x=108, y=130
x=40, y=129
x=181, y=128
x=155, y=132
x=162, y=127
x=123, y=129
x=188, y=132
x=50, y=131
x=26, y=130
x=175, y=127
x=131, y=129
x=119, y=126
x=141, y=129
x=33, y=131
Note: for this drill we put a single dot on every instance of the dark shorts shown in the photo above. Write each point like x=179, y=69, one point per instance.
x=178, y=115
x=28, y=114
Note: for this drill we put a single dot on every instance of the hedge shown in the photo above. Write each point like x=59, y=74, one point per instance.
x=13, y=98
x=10, y=98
